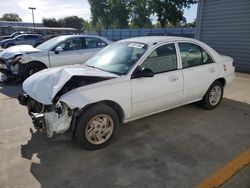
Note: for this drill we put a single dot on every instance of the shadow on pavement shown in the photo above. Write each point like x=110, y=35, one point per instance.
x=176, y=148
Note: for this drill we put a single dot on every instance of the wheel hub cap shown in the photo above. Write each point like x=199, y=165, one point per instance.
x=215, y=95
x=99, y=129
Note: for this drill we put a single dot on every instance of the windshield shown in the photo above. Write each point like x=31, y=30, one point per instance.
x=118, y=58
x=14, y=34
x=49, y=44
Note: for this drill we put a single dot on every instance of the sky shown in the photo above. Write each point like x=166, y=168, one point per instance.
x=59, y=9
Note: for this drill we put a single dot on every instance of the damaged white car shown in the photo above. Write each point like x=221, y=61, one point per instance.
x=127, y=80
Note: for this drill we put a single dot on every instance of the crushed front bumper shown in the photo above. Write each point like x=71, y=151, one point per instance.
x=4, y=68
x=10, y=74
x=54, y=123
x=38, y=119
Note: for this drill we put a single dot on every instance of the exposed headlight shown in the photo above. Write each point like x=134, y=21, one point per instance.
x=61, y=107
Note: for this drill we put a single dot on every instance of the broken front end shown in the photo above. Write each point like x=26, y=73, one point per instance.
x=10, y=69
x=51, y=120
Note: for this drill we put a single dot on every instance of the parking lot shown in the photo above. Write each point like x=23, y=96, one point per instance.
x=177, y=148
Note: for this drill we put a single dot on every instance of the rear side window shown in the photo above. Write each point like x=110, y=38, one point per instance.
x=92, y=42
x=162, y=59
x=21, y=37
x=193, y=55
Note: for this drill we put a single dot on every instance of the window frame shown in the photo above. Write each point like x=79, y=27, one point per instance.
x=96, y=38
x=153, y=49
x=201, y=48
x=79, y=38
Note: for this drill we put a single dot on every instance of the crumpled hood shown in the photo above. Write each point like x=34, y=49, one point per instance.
x=14, y=50
x=44, y=85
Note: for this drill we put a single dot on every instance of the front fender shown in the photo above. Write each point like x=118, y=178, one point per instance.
x=119, y=93
x=41, y=58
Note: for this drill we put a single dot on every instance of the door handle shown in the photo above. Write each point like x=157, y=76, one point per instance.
x=173, y=78
x=211, y=69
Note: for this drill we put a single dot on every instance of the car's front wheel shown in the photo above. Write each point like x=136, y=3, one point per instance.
x=32, y=68
x=96, y=127
x=213, y=96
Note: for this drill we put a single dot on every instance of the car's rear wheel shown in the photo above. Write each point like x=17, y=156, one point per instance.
x=32, y=68
x=96, y=127
x=213, y=96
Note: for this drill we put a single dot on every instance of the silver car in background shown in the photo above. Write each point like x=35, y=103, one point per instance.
x=19, y=62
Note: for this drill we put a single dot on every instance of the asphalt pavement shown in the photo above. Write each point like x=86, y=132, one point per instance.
x=177, y=148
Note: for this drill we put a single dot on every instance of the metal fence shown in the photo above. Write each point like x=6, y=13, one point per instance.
x=118, y=34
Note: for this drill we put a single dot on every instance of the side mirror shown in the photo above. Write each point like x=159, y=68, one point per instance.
x=58, y=49
x=143, y=73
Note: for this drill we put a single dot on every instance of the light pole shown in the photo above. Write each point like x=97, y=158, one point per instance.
x=33, y=8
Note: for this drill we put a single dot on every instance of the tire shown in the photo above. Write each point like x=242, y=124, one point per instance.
x=32, y=68
x=93, y=120
x=213, y=96
x=9, y=45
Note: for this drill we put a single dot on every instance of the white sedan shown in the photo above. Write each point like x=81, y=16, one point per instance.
x=19, y=62
x=127, y=80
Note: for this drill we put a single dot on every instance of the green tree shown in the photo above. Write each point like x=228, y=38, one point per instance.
x=168, y=11
x=70, y=21
x=140, y=12
x=11, y=17
x=110, y=13
x=191, y=24
x=100, y=13
x=73, y=22
x=119, y=13
x=52, y=22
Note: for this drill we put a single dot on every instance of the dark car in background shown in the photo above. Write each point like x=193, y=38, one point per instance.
x=31, y=39
x=12, y=35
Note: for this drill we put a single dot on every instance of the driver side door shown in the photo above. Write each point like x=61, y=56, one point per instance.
x=163, y=90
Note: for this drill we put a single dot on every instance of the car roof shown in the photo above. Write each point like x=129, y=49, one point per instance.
x=28, y=34
x=151, y=40
x=64, y=37
x=72, y=36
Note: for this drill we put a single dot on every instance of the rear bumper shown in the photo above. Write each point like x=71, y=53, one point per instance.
x=230, y=78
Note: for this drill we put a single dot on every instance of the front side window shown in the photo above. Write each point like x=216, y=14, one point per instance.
x=49, y=43
x=162, y=59
x=71, y=44
x=193, y=55
x=20, y=37
x=118, y=58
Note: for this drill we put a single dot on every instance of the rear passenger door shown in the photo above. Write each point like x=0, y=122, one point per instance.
x=93, y=46
x=164, y=89
x=199, y=70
